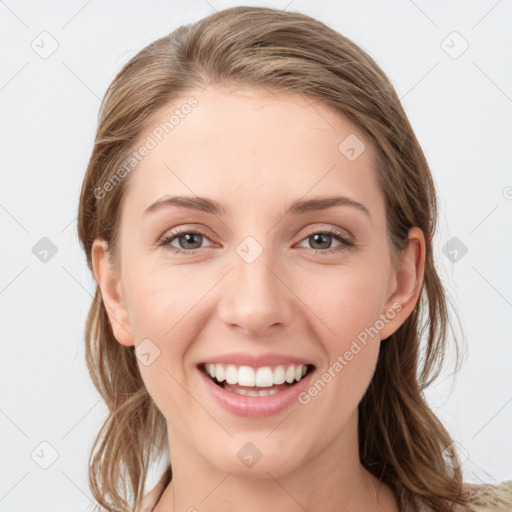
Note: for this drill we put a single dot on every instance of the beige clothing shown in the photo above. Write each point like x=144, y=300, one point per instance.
x=486, y=498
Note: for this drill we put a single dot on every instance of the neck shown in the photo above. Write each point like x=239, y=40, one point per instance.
x=325, y=482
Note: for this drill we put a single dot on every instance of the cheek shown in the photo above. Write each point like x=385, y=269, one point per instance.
x=347, y=302
x=162, y=319
x=163, y=308
x=162, y=299
x=351, y=355
x=347, y=318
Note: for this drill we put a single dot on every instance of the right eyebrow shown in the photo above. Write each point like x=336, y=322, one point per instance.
x=196, y=203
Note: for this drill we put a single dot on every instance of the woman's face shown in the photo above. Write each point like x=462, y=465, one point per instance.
x=265, y=283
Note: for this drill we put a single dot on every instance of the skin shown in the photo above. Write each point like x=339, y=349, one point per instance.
x=256, y=152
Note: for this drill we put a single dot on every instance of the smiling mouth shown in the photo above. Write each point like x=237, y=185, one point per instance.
x=254, y=382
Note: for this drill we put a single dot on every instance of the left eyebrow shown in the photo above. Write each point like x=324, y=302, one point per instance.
x=322, y=203
x=210, y=206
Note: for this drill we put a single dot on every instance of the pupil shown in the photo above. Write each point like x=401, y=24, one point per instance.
x=315, y=238
x=188, y=238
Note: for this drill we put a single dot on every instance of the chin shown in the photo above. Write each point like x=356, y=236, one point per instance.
x=257, y=460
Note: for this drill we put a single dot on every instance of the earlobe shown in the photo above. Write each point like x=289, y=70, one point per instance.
x=111, y=292
x=407, y=283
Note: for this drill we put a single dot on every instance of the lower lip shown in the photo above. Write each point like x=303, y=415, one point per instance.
x=256, y=406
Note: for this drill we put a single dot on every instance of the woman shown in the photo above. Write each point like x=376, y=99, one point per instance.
x=276, y=359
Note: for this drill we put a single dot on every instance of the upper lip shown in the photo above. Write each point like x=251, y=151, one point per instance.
x=256, y=361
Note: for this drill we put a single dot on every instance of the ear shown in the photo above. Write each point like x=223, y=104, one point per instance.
x=111, y=291
x=405, y=283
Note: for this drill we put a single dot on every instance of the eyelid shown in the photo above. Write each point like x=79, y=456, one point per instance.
x=173, y=233
x=340, y=234
x=184, y=229
x=331, y=230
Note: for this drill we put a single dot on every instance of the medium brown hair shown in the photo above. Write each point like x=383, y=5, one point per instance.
x=401, y=441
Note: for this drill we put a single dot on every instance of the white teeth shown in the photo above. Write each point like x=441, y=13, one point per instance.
x=290, y=374
x=245, y=376
x=264, y=377
x=279, y=375
x=252, y=392
x=220, y=374
x=231, y=374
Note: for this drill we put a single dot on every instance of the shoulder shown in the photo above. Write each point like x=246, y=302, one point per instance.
x=480, y=498
x=490, y=498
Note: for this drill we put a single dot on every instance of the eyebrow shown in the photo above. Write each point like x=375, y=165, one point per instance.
x=210, y=206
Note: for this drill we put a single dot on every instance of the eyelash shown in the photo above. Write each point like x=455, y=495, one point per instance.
x=345, y=242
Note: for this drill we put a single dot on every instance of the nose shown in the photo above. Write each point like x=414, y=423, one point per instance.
x=256, y=297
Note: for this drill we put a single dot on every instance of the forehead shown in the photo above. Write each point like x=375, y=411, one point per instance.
x=252, y=146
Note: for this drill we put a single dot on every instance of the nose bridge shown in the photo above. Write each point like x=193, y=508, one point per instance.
x=255, y=298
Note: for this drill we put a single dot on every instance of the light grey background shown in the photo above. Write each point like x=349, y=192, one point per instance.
x=459, y=105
